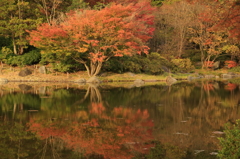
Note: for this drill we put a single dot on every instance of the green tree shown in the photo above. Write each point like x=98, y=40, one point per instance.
x=16, y=16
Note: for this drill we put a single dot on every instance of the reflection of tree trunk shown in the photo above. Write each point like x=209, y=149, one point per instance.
x=95, y=95
x=14, y=110
x=42, y=90
x=169, y=89
x=19, y=146
x=54, y=144
x=201, y=95
x=21, y=107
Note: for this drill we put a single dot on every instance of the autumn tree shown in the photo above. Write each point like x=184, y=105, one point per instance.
x=229, y=17
x=211, y=43
x=174, y=19
x=211, y=33
x=232, y=48
x=53, y=9
x=92, y=37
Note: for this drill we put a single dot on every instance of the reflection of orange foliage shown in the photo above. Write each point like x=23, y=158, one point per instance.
x=230, y=86
x=127, y=128
x=208, y=86
x=97, y=108
x=127, y=112
x=46, y=131
x=93, y=123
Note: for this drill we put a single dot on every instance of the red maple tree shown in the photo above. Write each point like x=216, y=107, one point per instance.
x=91, y=37
x=224, y=16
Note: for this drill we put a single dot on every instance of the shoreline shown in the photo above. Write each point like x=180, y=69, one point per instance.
x=12, y=75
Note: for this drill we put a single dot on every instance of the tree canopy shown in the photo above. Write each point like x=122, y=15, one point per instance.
x=93, y=36
x=89, y=33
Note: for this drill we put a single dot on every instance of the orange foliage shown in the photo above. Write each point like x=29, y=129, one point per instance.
x=113, y=31
x=208, y=64
x=223, y=16
x=230, y=64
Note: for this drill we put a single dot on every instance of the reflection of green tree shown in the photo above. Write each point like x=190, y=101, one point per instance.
x=16, y=142
x=204, y=111
x=62, y=102
x=29, y=101
x=14, y=103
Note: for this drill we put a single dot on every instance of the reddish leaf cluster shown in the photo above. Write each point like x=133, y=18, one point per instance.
x=224, y=15
x=230, y=64
x=113, y=31
x=208, y=64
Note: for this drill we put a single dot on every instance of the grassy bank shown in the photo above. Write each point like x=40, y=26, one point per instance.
x=12, y=75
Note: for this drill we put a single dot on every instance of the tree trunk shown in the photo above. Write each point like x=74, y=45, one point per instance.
x=14, y=46
x=20, y=50
x=1, y=68
x=94, y=68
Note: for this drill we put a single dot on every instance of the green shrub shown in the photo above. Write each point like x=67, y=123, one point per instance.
x=5, y=42
x=60, y=64
x=4, y=53
x=125, y=64
x=14, y=60
x=131, y=66
x=156, y=63
x=48, y=58
x=193, y=54
x=150, y=64
x=182, y=65
x=29, y=58
x=230, y=144
x=115, y=64
x=67, y=66
x=32, y=57
x=61, y=67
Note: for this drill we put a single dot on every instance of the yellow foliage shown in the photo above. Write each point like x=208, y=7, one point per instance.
x=83, y=49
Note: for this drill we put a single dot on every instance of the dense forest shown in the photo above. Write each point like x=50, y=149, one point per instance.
x=140, y=36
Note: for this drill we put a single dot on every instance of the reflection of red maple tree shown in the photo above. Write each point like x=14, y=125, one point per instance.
x=208, y=86
x=230, y=86
x=97, y=108
x=115, y=136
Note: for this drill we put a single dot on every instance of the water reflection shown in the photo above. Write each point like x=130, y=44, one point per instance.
x=178, y=121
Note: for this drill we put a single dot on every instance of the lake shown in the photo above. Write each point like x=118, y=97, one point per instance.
x=70, y=121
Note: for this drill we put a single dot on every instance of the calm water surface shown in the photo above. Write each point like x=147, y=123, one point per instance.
x=107, y=122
